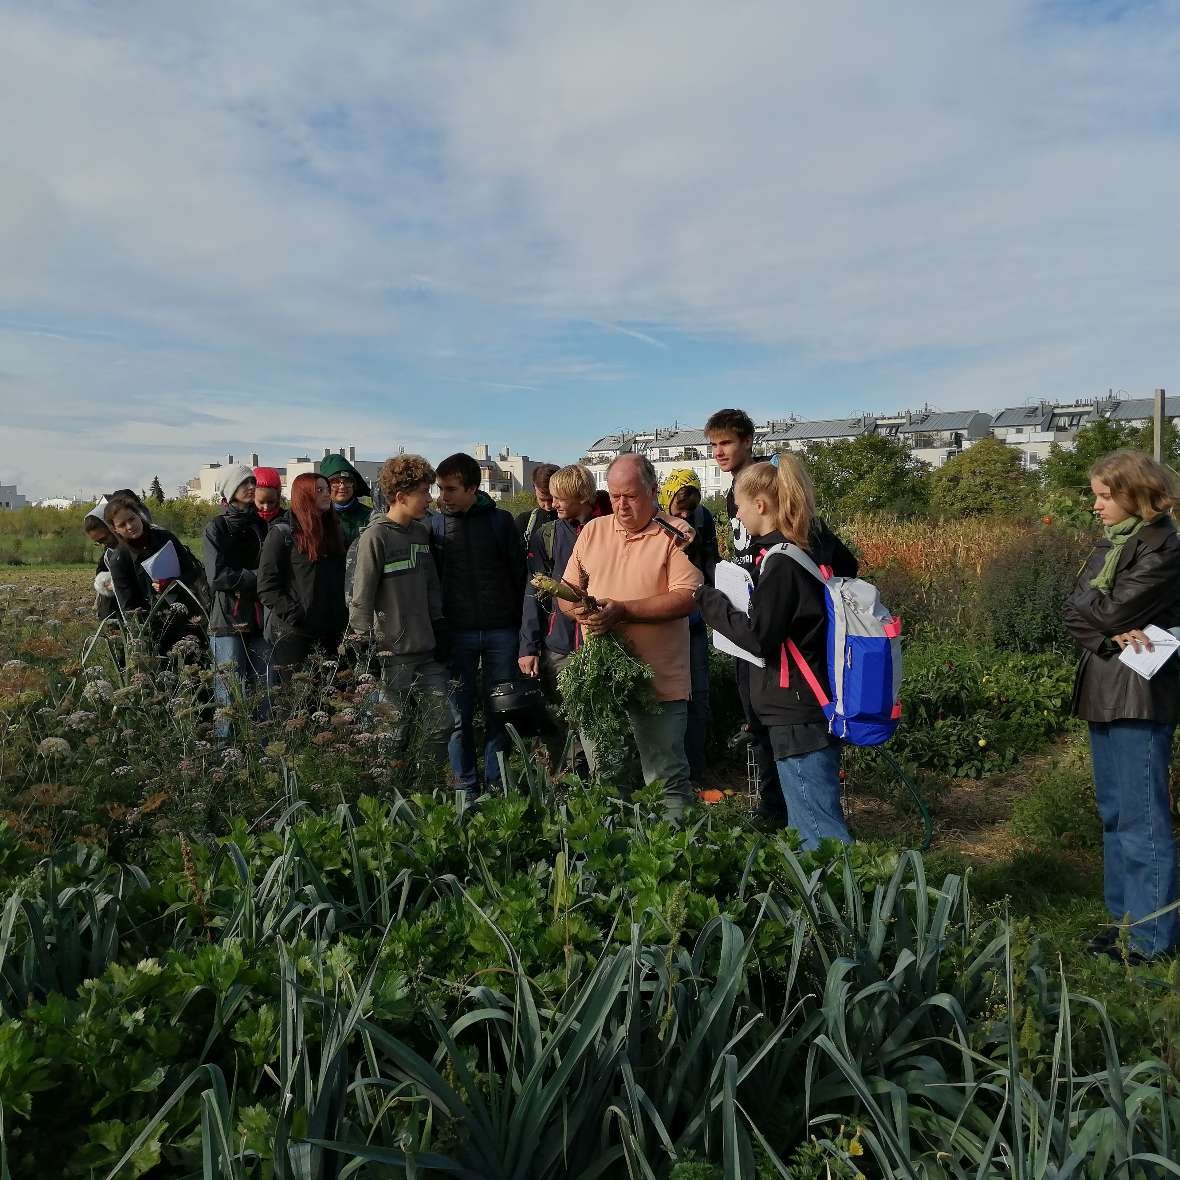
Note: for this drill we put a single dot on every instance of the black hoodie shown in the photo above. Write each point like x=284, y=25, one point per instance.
x=233, y=545
x=788, y=603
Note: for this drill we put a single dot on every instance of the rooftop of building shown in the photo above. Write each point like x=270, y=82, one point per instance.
x=1136, y=408
x=936, y=420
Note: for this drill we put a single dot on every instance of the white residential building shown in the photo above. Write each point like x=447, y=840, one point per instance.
x=934, y=437
x=1033, y=429
x=796, y=435
x=10, y=498
x=1139, y=411
x=507, y=474
x=203, y=486
x=62, y=502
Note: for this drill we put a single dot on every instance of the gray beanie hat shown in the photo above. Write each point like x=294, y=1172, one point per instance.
x=232, y=478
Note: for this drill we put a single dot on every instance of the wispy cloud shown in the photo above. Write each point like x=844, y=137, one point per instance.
x=635, y=335
x=346, y=214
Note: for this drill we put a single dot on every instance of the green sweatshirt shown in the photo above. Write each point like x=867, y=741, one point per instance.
x=395, y=588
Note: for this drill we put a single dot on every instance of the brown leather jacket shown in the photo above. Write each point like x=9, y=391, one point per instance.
x=1146, y=590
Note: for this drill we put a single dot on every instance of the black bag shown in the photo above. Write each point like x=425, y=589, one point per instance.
x=521, y=704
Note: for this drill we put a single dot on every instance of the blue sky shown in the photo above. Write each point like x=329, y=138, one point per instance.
x=278, y=226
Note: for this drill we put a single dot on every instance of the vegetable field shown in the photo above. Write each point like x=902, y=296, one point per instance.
x=289, y=957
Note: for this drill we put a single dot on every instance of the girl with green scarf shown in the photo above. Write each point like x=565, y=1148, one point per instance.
x=1131, y=581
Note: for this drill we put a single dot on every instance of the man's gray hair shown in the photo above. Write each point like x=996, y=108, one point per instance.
x=646, y=471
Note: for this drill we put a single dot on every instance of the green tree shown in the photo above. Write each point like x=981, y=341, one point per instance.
x=985, y=480
x=1069, y=470
x=155, y=491
x=1143, y=439
x=872, y=473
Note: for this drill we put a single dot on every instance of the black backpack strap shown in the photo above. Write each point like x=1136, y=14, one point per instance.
x=548, y=542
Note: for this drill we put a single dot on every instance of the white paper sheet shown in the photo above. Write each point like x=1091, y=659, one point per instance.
x=737, y=585
x=1148, y=663
x=164, y=565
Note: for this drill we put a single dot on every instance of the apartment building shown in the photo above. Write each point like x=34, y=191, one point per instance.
x=934, y=436
x=1033, y=429
x=1138, y=411
x=797, y=435
x=507, y=474
x=10, y=498
x=203, y=485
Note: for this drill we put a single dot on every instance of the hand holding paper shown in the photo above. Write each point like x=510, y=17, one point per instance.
x=737, y=585
x=163, y=566
x=1148, y=663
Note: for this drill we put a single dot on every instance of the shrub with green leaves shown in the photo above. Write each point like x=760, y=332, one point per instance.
x=1023, y=589
x=969, y=711
x=1058, y=809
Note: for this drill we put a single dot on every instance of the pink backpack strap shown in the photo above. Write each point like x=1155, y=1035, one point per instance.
x=808, y=674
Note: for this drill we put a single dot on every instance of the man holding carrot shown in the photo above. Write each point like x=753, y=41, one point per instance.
x=644, y=586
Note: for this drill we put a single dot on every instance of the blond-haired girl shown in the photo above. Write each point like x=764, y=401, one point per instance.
x=1130, y=581
x=788, y=626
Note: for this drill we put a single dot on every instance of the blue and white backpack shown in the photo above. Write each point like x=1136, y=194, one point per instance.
x=864, y=657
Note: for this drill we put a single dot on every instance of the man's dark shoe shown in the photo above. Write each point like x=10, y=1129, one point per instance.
x=1100, y=943
x=1128, y=957
x=774, y=820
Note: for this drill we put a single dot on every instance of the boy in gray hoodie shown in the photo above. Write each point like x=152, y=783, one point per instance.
x=396, y=597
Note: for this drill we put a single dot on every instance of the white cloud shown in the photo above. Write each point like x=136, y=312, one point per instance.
x=977, y=200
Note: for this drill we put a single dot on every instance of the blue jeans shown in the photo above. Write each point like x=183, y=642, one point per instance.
x=698, y=705
x=495, y=651
x=811, y=788
x=1138, y=850
x=246, y=657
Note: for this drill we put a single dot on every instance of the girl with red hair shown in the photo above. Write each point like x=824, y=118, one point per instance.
x=301, y=577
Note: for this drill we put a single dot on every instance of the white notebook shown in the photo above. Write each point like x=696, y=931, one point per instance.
x=163, y=565
x=1148, y=663
x=737, y=586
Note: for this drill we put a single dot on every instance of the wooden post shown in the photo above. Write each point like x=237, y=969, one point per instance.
x=1158, y=422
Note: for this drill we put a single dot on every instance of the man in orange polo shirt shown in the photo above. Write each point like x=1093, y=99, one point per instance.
x=645, y=586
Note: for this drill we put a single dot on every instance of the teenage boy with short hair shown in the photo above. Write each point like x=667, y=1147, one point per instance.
x=527, y=523
x=731, y=434
x=481, y=567
x=396, y=594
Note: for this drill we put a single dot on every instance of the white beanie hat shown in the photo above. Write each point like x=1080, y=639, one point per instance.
x=232, y=478
x=97, y=511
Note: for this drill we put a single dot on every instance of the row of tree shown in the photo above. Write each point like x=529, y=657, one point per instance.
x=874, y=473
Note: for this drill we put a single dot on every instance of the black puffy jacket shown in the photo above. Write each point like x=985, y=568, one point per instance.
x=481, y=565
x=788, y=603
x=302, y=597
x=233, y=545
x=1146, y=590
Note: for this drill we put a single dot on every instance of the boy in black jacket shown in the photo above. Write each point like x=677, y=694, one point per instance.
x=232, y=547
x=481, y=566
